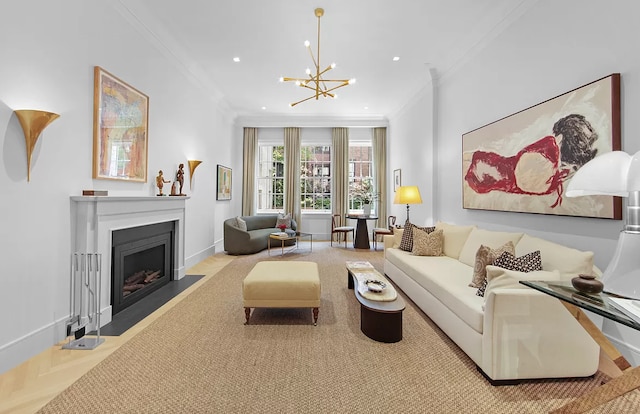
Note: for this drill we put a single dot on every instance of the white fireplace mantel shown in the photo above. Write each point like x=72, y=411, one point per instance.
x=94, y=218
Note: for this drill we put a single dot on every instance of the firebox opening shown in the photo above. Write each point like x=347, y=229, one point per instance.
x=142, y=262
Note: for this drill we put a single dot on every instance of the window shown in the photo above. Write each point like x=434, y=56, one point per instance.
x=360, y=172
x=270, y=179
x=315, y=178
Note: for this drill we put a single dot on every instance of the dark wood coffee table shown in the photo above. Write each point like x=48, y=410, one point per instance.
x=380, y=321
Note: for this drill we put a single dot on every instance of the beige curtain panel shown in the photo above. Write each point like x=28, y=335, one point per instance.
x=380, y=168
x=250, y=149
x=292, y=173
x=340, y=176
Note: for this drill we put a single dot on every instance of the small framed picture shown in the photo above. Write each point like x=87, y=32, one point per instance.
x=397, y=180
x=224, y=183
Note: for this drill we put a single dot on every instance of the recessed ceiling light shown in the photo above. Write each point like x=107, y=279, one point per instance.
x=366, y=107
x=264, y=108
x=236, y=59
x=396, y=58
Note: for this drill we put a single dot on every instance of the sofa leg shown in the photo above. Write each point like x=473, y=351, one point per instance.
x=498, y=383
x=315, y=316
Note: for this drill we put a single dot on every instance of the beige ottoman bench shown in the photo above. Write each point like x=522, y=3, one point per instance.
x=282, y=284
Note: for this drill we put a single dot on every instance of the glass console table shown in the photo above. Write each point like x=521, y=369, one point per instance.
x=626, y=378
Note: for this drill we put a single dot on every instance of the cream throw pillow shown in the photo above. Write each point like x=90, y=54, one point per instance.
x=427, y=243
x=241, y=224
x=454, y=237
x=397, y=238
x=556, y=256
x=485, y=256
x=478, y=237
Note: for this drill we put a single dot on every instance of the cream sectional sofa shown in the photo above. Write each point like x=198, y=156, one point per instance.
x=513, y=332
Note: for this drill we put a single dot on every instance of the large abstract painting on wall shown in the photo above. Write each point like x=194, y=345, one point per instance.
x=120, y=129
x=523, y=162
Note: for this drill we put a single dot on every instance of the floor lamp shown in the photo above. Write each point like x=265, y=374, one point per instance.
x=408, y=194
x=616, y=173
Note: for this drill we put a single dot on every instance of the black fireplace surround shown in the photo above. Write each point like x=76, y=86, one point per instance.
x=142, y=262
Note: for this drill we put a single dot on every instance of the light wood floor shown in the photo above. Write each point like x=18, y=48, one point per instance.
x=31, y=385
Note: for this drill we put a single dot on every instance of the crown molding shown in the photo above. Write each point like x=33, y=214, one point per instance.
x=472, y=48
x=154, y=32
x=309, y=121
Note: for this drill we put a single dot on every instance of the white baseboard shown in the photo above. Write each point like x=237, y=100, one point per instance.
x=16, y=352
x=630, y=352
x=200, y=256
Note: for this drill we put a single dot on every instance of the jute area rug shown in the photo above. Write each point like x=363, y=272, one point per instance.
x=199, y=357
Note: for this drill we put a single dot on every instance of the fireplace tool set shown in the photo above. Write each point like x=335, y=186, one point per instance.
x=84, y=301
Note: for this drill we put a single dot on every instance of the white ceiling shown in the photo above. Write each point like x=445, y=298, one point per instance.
x=360, y=36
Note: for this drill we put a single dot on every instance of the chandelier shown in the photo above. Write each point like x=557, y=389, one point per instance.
x=314, y=80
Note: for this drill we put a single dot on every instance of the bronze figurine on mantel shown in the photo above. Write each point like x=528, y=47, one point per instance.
x=160, y=181
x=179, y=180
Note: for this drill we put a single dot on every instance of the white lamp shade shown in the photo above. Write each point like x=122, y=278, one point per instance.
x=615, y=173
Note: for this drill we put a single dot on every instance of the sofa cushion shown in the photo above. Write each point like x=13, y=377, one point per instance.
x=486, y=256
x=241, y=224
x=283, y=219
x=397, y=238
x=525, y=263
x=478, y=237
x=407, y=236
x=499, y=277
x=446, y=279
x=427, y=243
x=556, y=256
x=261, y=221
x=454, y=238
x=529, y=262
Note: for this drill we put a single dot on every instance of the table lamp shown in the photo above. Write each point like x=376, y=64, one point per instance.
x=616, y=173
x=408, y=194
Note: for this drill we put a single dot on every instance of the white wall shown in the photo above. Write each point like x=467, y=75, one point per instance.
x=410, y=148
x=48, y=53
x=553, y=48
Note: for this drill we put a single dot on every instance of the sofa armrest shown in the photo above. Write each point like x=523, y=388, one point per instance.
x=235, y=239
x=528, y=334
x=388, y=240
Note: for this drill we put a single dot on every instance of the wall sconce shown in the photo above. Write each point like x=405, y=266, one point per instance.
x=33, y=122
x=193, y=164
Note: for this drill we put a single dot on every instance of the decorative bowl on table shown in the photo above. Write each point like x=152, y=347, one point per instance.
x=376, y=286
x=587, y=284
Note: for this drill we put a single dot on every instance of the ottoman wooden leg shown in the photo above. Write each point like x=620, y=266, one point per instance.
x=315, y=316
x=247, y=313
